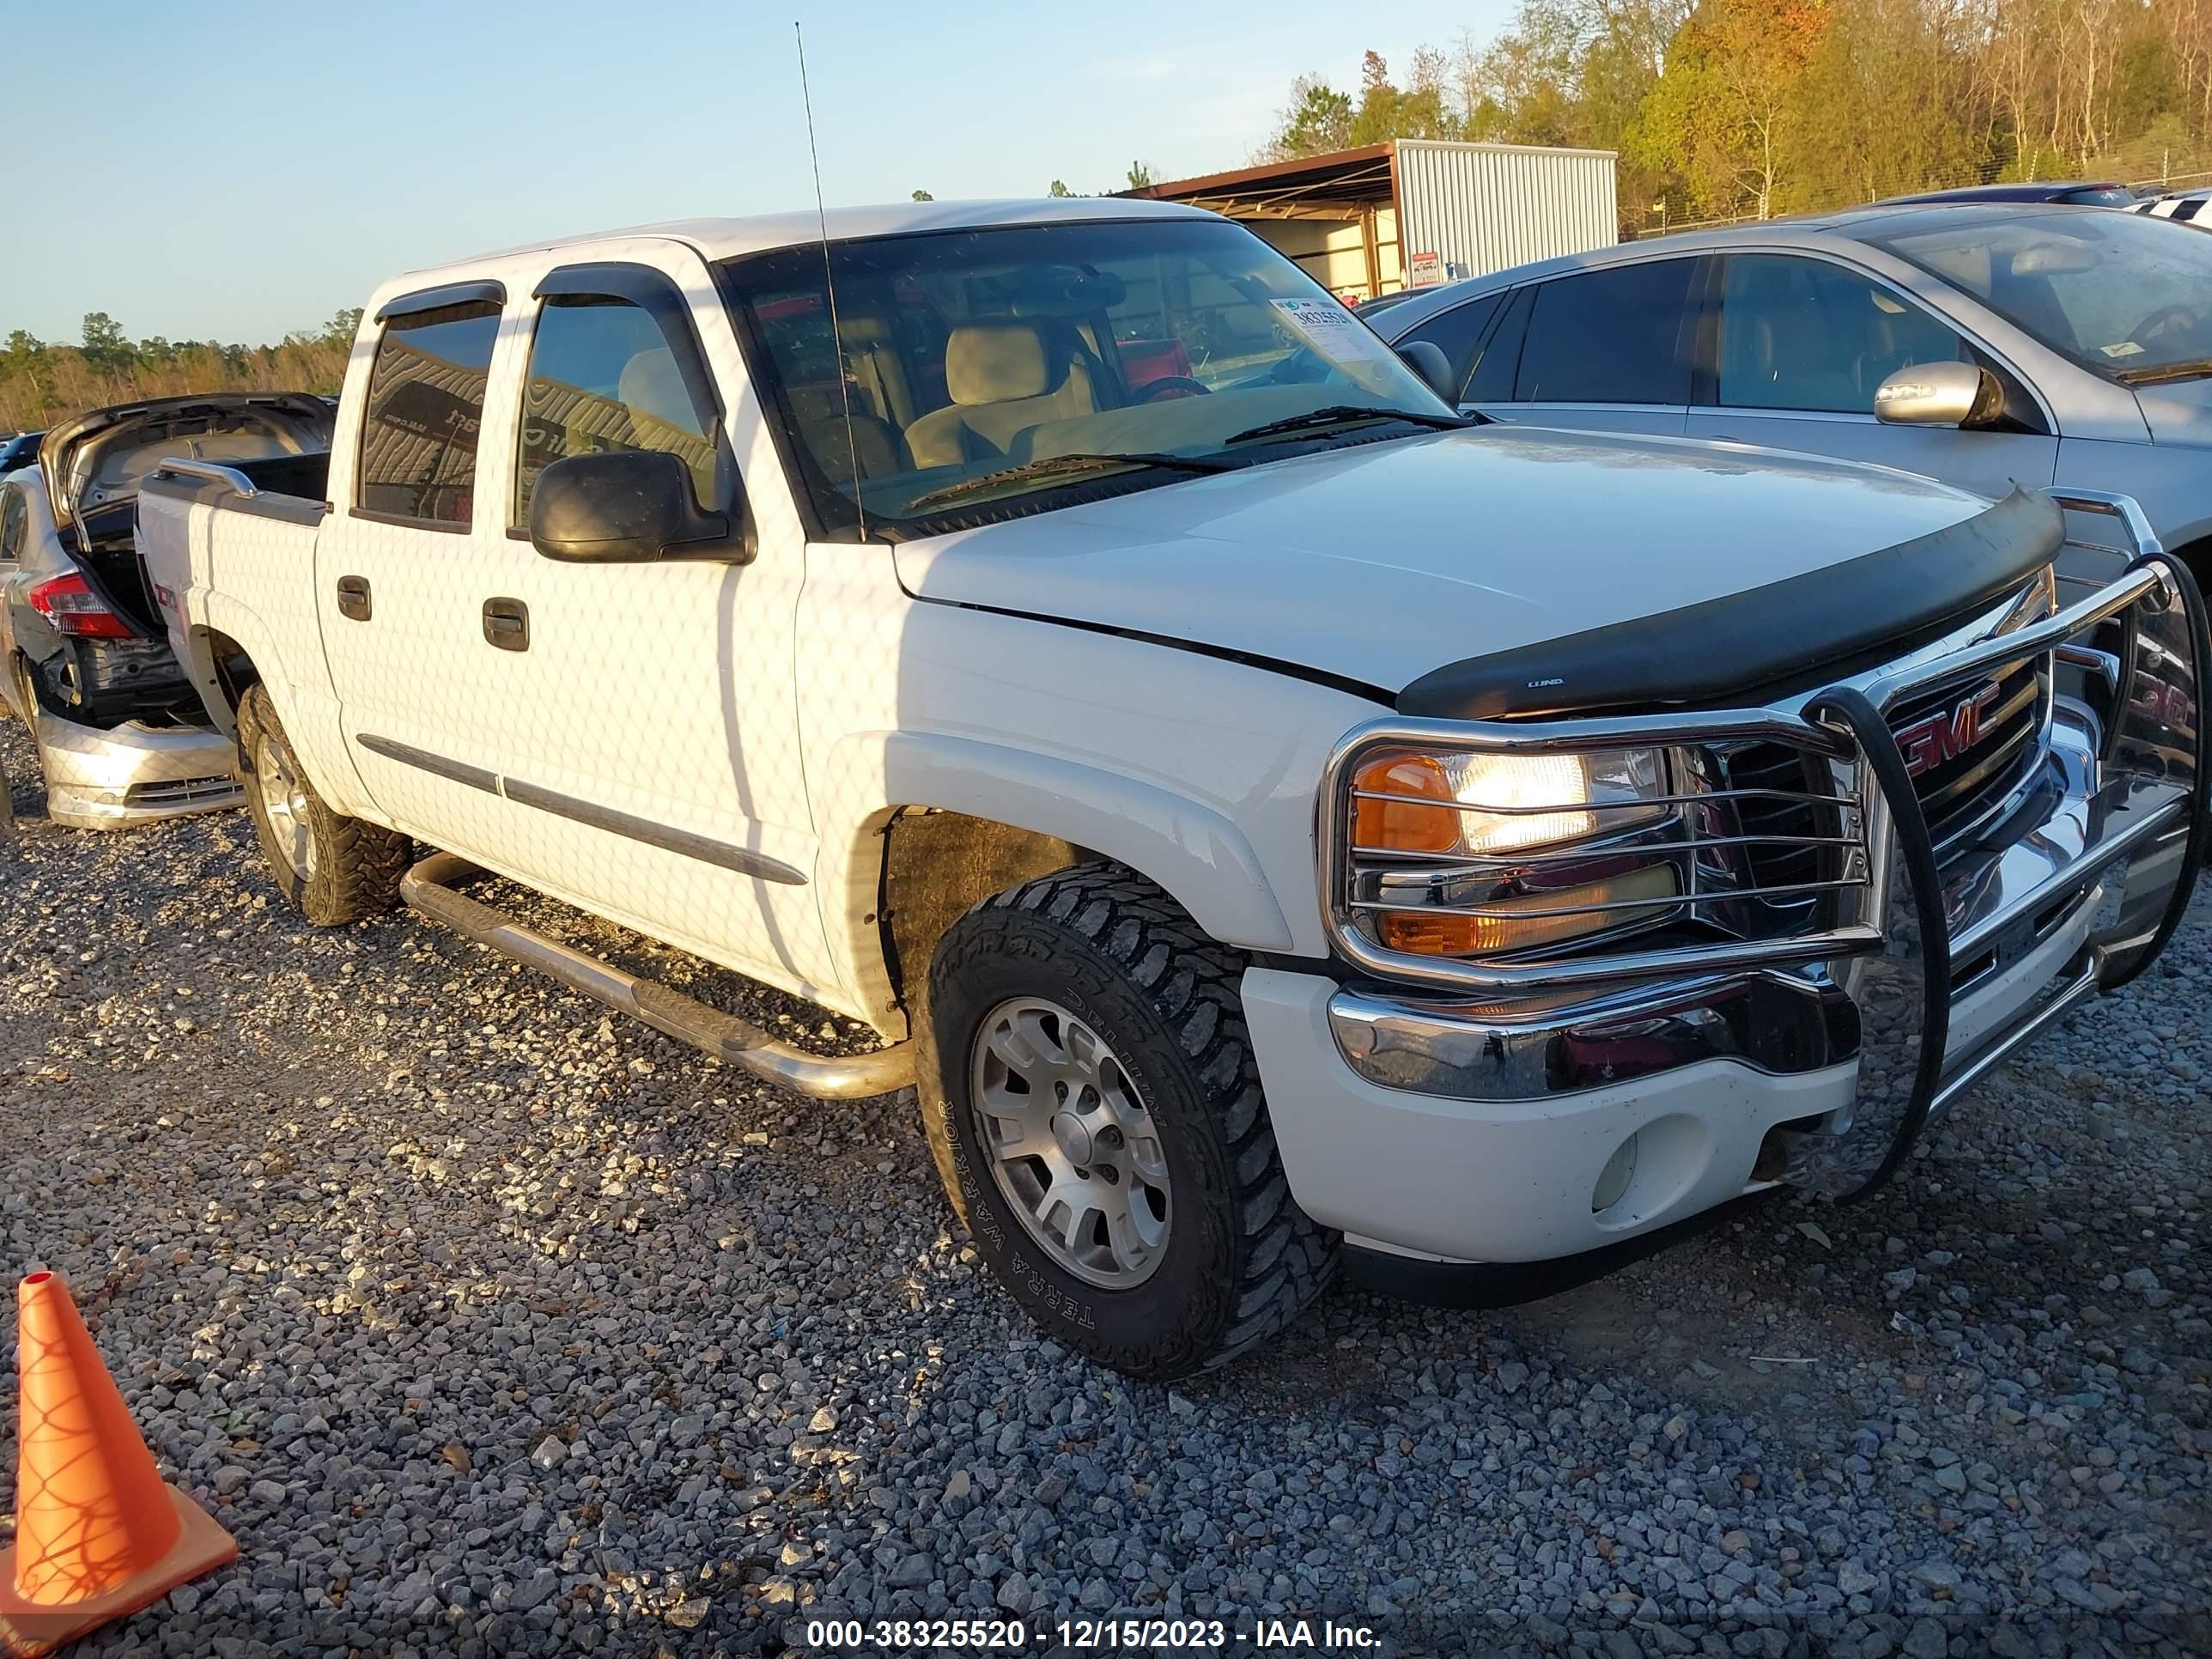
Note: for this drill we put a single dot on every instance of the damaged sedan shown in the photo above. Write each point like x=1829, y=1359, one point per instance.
x=84, y=663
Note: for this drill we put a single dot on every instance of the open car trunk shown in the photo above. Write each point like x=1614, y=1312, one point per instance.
x=93, y=466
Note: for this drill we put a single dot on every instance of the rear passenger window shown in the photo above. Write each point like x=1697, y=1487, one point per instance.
x=426, y=398
x=14, y=517
x=1457, y=332
x=1608, y=337
x=604, y=375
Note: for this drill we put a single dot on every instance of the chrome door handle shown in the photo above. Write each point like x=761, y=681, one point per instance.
x=507, y=624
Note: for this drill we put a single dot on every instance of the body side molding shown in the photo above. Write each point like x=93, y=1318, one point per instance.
x=704, y=848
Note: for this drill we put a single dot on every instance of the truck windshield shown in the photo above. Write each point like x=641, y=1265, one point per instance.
x=2128, y=296
x=1008, y=369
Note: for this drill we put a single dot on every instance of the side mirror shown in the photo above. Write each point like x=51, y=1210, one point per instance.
x=1940, y=394
x=622, y=507
x=1427, y=360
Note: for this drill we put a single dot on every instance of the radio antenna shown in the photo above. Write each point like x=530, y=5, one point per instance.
x=829, y=285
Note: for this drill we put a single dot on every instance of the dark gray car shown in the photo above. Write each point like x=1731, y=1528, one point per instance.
x=2053, y=346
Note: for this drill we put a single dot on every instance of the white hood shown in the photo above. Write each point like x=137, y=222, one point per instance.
x=1378, y=562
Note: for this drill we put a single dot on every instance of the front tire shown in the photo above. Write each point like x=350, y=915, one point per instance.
x=331, y=868
x=1092, y=1099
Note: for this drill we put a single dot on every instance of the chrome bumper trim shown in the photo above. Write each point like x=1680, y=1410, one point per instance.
x=2070, y=994
x=1777, y=1024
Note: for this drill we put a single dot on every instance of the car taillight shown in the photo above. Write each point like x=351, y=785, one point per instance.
x=69, y=603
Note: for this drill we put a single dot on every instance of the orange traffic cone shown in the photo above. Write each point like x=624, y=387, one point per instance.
x=97, y=1533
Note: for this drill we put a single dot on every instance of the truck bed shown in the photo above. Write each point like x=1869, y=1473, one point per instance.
x=262, y=535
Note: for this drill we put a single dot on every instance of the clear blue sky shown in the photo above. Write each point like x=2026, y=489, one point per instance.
x=239, y=172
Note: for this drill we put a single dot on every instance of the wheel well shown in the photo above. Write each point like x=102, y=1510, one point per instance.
x=938, y=866
x=234, y=670
x=24, y=683
x=2197, y=556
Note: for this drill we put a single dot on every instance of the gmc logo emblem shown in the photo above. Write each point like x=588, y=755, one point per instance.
x=1947, y=734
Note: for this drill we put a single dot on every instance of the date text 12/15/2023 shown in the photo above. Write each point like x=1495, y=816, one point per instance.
x=1265, y=1636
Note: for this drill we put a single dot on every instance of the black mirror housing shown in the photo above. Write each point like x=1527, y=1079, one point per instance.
x=1426, y=359
x=626, y=506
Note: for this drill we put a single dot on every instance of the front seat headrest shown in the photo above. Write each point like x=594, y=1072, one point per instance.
x=652, y=384
x=996, y=363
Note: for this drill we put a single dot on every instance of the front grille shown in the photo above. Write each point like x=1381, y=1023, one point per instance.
x=182, y=792
x=1964, y=774
x=1786, y=854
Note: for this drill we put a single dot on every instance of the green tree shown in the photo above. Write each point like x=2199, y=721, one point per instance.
x=1141, y=175
x=923, y=195
x=1059, y=188
x=1723, y=113
x=1317, y=120
x=342, y=327
x=106, y=346
x=1416, y=110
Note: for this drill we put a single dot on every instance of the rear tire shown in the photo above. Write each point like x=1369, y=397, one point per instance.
x=26, y=696
x=1132, y=1079
x=331, y=868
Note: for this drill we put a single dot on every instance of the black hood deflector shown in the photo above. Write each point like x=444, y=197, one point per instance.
x=1763, y=640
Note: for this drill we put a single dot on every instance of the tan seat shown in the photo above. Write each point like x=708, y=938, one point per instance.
x=1004, y=377
x=872, y=357
x=872, y=441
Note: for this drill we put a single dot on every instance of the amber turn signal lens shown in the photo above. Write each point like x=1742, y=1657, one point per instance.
x=1428, y=935
x=1441, y=934
x=1403, y=826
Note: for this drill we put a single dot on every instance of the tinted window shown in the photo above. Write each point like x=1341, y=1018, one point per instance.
x=1458, y=332
x=1499, y=359
x=2106, y=196
x=426, y=396
x=1805, y=334
x=13, y=518
x=604, y=375
x=1608, y=337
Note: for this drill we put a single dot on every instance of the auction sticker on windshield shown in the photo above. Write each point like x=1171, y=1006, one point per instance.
x=1334, y=333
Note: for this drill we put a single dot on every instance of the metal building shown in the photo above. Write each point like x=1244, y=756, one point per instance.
x=1414, y=211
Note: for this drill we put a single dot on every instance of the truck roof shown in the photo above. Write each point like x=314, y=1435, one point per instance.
x=724, y=239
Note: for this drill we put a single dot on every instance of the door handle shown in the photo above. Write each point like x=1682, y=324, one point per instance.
x=507, y=624
x=353, y=598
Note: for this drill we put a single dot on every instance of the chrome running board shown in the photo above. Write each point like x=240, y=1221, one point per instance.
x=429, y=888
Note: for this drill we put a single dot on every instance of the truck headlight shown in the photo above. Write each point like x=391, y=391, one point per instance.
x=1462, y=853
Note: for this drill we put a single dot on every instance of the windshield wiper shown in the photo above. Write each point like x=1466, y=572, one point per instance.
x=1341, y=414
x=1053, y=465
x=2197, y=369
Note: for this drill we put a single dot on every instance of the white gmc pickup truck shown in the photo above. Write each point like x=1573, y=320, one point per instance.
x=1275, y=823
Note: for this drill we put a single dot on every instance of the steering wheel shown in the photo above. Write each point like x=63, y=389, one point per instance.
x=1180, y=386
x=2159, y=321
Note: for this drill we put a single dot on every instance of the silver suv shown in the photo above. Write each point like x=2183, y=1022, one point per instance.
x=2050, y=346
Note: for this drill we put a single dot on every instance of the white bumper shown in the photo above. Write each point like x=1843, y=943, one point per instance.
x=1506, y=1181
x=134, y=774
x=1519, y=1179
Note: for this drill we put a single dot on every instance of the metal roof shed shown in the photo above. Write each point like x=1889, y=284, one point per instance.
x=1411, y=212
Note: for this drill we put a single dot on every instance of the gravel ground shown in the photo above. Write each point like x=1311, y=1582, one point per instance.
x=491, y=1326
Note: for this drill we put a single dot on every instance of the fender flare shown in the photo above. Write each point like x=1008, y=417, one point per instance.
x=332, y=771
x=1199, y=858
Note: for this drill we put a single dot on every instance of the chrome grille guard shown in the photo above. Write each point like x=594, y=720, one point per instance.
x=1899, y=916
